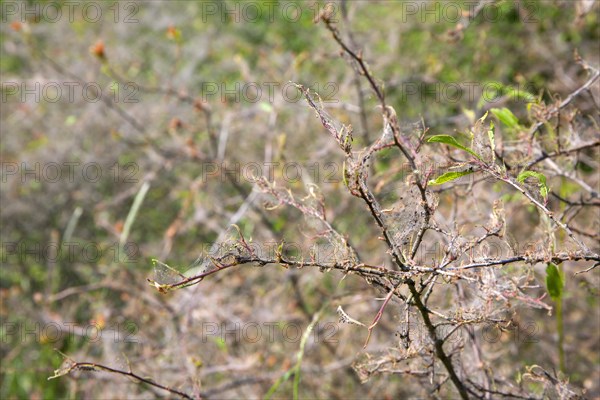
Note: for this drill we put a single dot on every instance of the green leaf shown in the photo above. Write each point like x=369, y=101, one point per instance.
x=541, y=181
x=449, y=176
x=519, y=94
x=554, y=282
x=483, y=117
x=449, y=140
x=492, y=138
x=131, y=216
x=277, y=383
x=493, y=90
x=506, y=117
x=295, y=370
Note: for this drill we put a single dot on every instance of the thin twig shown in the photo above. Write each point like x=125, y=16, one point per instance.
x=89, y=366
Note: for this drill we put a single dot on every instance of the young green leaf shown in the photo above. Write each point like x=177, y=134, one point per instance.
x=449, y=176
x=483, y=117
x=506, y=117
x=541, y=181
x=554, y=282
x=449, y=140
x=519, y=94
x=492, y=140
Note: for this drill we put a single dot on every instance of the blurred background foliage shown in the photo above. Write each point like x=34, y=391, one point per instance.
x=176, y=46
